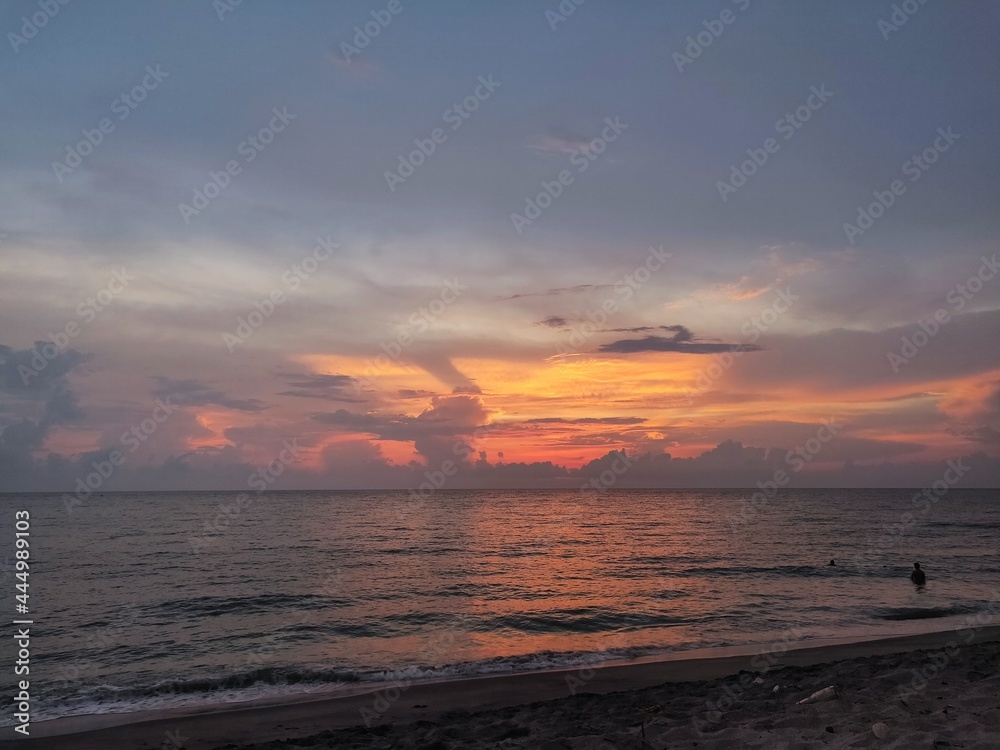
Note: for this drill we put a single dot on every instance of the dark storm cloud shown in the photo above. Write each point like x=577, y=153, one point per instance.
x=341, y=397
x=318, y=381
x=46, y=383
x=682, y=333
x=985, y=435
x=192, y=392
x=842, y=359
x=29, y=371
x=682, y=342
x=561, y=290
x=410, y=393
x=377, y=424
x=320, y=386
x=450, y=415
x=586, y=420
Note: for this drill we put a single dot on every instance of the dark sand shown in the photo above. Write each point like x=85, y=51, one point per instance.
x=935, y=690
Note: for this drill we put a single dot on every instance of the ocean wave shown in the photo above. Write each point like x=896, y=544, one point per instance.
x=208, y=606
x=583, y=620
x=130, y=533
x=278, y=681
x=820, y=570
x=923, y=613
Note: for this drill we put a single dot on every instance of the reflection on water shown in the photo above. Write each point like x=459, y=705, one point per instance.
x=316, y=588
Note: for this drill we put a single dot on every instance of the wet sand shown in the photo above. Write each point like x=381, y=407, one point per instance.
x=932, y=690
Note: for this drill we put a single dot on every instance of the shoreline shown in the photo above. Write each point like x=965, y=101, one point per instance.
x=269, y=720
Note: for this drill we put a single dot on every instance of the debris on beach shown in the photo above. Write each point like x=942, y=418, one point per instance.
x=825, y=694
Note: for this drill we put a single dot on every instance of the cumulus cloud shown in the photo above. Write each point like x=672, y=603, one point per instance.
x=29, y=372
x=732, y=464
x=34, y=388
x=360, y=463
x=434, y=432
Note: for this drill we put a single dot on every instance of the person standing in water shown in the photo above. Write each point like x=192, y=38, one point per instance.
x=917, y=576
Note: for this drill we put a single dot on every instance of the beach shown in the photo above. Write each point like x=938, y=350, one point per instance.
x=475, y=584
x=930, y=690
x=496, y=617
x=554, y=376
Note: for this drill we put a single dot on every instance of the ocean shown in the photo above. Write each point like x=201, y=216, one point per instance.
x=156, y=600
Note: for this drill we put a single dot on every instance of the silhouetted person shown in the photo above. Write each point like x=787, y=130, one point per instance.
x=917, y=576
x=833, y=562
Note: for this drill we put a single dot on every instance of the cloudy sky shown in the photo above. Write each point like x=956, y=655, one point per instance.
x=395, y=235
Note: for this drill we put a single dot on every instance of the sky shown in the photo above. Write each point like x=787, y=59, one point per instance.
x=412, y=243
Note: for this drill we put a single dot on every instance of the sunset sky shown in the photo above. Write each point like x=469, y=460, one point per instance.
x=419, y=322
